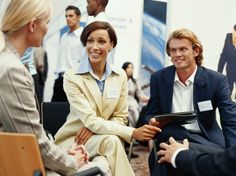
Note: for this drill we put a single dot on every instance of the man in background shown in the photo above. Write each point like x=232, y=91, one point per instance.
x=96, y=12
x=70, y=51
x=228, y=58
x=96, y=9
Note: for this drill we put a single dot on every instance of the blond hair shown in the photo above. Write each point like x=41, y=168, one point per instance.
x=190, y=36
x=20, y=12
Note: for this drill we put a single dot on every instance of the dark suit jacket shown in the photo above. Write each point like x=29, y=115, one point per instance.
x=228, y=58
x=208, y=85
x=218, y=164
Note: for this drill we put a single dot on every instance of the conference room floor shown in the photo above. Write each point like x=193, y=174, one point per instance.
x=140, y=164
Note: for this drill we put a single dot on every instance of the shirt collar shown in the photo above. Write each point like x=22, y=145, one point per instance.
x=85, y=67
x=76, y=32
x=189, y=80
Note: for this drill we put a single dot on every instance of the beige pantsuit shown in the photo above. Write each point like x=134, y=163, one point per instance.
x=105, y=114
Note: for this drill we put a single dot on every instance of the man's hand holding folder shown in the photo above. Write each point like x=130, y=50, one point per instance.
x=179, y=117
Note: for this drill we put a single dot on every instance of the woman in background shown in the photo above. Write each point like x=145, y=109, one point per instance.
x=135, y=95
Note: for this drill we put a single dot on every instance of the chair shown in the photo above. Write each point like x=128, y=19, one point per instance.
x=20, y=155
x=54, y=115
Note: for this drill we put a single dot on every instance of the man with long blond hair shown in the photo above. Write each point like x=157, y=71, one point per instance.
x=189, y=86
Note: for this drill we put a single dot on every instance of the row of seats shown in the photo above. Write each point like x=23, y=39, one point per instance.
x=21, y=152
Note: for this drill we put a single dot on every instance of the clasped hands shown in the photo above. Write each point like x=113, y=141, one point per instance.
x=80, y=154
x=78, y=150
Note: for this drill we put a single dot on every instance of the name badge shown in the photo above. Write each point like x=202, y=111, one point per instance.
x=205, y=106
x=112, y=94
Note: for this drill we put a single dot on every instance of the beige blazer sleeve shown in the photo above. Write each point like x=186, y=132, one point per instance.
x=17, y=104
x=101, y=113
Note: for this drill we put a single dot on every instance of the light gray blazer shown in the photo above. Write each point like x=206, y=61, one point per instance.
x=18, y=110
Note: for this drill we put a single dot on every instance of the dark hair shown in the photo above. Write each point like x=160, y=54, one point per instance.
x=190, y=36
x=104, y=2
x=76, y=9
x=95, y=26
x=125, y=66
x=235, y=27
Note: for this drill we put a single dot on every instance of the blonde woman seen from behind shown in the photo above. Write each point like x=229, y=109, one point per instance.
x=24, y=24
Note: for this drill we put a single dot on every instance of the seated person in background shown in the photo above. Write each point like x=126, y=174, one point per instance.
x=188, y=86
x=135, y=95
x=190, y=162
x=21, y=29
x=28, y=61
x=41, y=65
x=97, y=93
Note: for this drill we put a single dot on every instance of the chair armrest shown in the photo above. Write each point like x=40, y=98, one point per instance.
x=90, y=172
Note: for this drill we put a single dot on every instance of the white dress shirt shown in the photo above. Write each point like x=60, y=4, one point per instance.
x=183, y=99
x=102, y=16
x=70, y=51
x=173, y=158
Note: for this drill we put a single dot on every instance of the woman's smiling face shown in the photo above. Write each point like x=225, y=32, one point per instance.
x=98, y=46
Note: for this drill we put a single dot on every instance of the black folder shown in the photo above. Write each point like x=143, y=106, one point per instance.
x=179, y=117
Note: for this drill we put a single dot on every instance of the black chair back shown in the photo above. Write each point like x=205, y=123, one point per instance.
x=54, y=115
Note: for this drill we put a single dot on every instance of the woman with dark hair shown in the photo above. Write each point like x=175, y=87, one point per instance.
x=97, y=93
x=135, y=95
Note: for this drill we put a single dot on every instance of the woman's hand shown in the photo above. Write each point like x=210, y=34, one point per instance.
x=146, y=132
x=144, y=99
x=80, y=153
x=83, y=135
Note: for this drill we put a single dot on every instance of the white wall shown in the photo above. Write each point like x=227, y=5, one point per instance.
x=209, y=19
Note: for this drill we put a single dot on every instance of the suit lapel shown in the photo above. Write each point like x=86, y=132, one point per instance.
x=199, y=92
x=94, y=90
x=168, y=85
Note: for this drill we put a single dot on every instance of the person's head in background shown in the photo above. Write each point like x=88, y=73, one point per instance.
x=99, y=38
x=94, y=7
x=25, y=22
x=184, y=48
x=73, y=16
x=234, y=36
x=129, y=70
